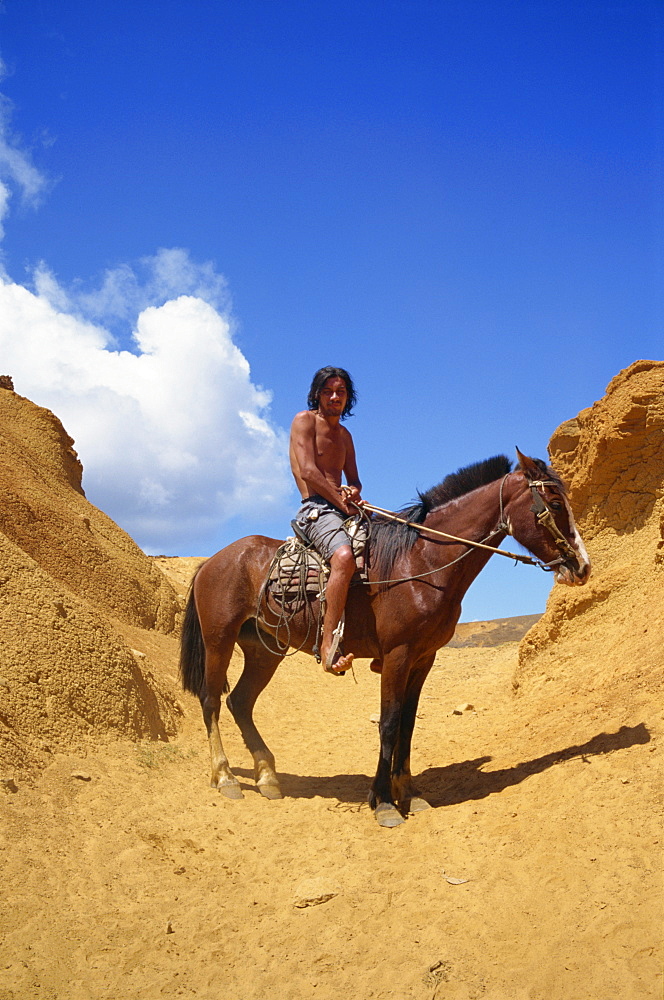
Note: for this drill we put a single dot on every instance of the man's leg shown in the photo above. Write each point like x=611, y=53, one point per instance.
x=342, y=567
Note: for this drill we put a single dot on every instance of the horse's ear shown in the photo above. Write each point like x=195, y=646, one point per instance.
x=528, y=466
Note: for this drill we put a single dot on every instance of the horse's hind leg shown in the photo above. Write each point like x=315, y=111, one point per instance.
x=259, y=667
x=217, y=658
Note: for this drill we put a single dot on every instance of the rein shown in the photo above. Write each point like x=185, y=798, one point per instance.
x=454, y=538
x=540, y=508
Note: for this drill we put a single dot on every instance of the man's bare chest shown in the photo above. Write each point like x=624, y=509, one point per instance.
x=330, y=449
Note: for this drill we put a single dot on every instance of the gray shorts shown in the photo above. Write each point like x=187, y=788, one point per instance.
x=322, y=523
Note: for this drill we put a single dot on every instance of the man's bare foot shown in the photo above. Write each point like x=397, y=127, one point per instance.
x=340, y=664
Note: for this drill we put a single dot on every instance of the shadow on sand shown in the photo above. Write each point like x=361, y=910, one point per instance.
x=455, y=783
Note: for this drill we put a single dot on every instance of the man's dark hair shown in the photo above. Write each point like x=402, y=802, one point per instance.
x=319, y=380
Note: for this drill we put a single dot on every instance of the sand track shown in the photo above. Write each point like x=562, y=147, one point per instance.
x=129, y=877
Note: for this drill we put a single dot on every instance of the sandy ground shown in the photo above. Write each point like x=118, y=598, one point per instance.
x=536, y=874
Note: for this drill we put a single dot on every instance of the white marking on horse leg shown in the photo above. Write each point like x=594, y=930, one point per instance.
x=265, y=775
x=222, y=776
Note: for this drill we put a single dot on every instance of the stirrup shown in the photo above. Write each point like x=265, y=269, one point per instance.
x=337, y=636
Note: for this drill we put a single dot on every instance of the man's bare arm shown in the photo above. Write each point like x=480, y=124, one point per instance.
x=303, y=451
x=351, y=473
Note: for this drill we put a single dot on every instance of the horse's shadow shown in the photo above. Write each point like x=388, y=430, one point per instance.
x=460, y=782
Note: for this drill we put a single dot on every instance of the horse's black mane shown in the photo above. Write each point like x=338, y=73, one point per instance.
x=389, y=540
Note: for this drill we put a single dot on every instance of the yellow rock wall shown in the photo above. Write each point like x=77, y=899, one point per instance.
x=44, y=511
x=70, y=581
x=610, y=633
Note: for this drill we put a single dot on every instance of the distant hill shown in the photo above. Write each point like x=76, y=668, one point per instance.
x=493, y=633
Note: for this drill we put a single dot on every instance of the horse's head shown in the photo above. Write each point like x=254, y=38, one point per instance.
x=539, y=516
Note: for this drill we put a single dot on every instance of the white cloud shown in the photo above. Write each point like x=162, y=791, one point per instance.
x=17, y=173
x=125, y=291
x=174, y=436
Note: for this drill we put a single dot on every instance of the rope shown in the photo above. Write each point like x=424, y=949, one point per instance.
x=419, y=576
x=455, y=538
x=300, y=602
x=501, y=526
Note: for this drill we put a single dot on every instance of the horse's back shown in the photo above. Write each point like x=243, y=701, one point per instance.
x=240, y=567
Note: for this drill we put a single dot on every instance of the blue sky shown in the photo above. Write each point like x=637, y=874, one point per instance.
x=460, y=202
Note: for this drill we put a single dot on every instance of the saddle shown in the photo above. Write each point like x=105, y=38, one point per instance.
x=299, y=575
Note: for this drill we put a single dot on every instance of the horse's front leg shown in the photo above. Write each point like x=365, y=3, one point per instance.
x=403, y=787
x=393, y=683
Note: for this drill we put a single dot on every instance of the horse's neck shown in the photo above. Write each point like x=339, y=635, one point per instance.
x=473, y=516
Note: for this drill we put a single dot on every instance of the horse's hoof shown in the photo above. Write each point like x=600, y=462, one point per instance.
x=418, y=805
x=230, y=789
x=388, y=815
x=270, y=791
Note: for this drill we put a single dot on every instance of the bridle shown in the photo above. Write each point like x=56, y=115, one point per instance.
x=544, y=517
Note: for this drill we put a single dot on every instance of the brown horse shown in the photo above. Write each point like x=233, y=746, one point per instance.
x=400, y=623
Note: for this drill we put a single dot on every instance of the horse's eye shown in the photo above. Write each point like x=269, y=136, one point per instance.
x=555, y=505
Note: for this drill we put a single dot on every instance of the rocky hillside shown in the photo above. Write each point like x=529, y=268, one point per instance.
x=605, y=639
x=43, y=510
x=71, y=584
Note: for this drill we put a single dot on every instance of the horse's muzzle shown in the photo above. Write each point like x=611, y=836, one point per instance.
x=573, y=572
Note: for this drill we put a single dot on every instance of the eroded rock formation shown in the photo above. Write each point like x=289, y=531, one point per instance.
x=43, y=510
x=70, y=581
x=611, y=631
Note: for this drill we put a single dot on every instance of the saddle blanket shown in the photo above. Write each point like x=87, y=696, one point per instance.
x=299, y=574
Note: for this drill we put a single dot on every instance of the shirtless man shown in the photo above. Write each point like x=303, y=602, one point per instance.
x=321, y=450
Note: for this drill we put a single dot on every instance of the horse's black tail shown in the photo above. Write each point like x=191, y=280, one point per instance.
x=192, y=650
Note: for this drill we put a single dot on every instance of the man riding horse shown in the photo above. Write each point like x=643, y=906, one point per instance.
x=421, y=567
x=321, y=451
